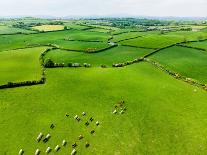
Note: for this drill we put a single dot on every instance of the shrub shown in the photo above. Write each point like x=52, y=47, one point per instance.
x=103, y=66
x=87, y=65
x=49, y=63
x=76, y=65
x=70, y=64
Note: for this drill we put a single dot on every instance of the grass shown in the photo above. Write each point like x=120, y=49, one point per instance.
x=123, y=36
x=186, y=61
x=153, y=41
x=114, y=55
x=21, y=41
x=10, y=30
x=164, y=115
x=171, y=120
x=48, y=27
x=201, y=44
x=81, y=45
x=20, y=65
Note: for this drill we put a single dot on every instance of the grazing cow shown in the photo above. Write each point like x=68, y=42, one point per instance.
x=80, y=137
x=74, y=145
x=57, y=148
x=91, y=119
x=48, y=150
x=87, y=145
x=52, y=126
x=37, y=152
x=92, y=131
x=87, y=123
x=97, y=123
x=73, y=152
x=64, y=143
x=39, y=137
x=21, y=152
x=46, y=138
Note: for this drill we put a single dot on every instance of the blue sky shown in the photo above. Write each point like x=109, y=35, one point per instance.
x=104, y=7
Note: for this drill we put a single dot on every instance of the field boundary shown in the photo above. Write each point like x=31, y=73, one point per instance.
x=176, y=75
x=42, y=80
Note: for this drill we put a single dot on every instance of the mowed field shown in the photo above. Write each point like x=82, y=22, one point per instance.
x=48, y=27
x=20, y=65
x=160, y=115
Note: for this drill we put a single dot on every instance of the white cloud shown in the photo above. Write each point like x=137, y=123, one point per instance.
x=104, y=7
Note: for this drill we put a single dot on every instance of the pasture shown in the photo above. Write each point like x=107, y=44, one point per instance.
x=186, y=61
x=151, y=121
x=102, y=109
x=20, y=65
x=115, y=55
x=46, y=28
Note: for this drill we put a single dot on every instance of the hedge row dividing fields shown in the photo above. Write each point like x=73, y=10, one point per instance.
x=29, y=68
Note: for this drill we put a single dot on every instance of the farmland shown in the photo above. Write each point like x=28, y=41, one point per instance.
x=89, y=82
x=49, y=27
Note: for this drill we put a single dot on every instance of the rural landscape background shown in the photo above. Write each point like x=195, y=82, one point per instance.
x=78, y=79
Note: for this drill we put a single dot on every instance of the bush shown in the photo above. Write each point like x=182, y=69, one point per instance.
x=87, y=65
x=76, y=65
x=70, y=64
x=103, y=66
x=49, y=63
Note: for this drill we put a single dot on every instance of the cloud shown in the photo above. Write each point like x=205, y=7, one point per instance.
x=104, y=7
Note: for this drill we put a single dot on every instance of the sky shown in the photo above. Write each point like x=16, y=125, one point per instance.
x=62, y=8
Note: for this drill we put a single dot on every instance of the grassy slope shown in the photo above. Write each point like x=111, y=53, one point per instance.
x=20, y=65
x=21, y=41
x=115, y=55
x=153, y=41
x=80, y=45
x=11, y=30
x=160, y=41
x=188, y=62
x=164, y=115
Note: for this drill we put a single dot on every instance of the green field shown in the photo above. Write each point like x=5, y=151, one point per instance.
x=161, y=115
x=152, y=123
x=20, y=65
x=186, y=61
x=108, y=57
x=201, y=44
x=20, y=41
x=81, y=45
x=11, y=30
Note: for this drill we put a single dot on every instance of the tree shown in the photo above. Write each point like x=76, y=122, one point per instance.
x=49, y=63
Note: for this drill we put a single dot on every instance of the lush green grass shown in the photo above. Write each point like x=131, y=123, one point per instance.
x=117, y=38
x=20, y=65
x=21, y=41
x=186, y=61
x=164, y=115
x=201, y=44
x=81, y=45
x=11, y=30
x=189, y=35
x=114, y=55
x=153, y=41
x=74, y=25
x=99, y=30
